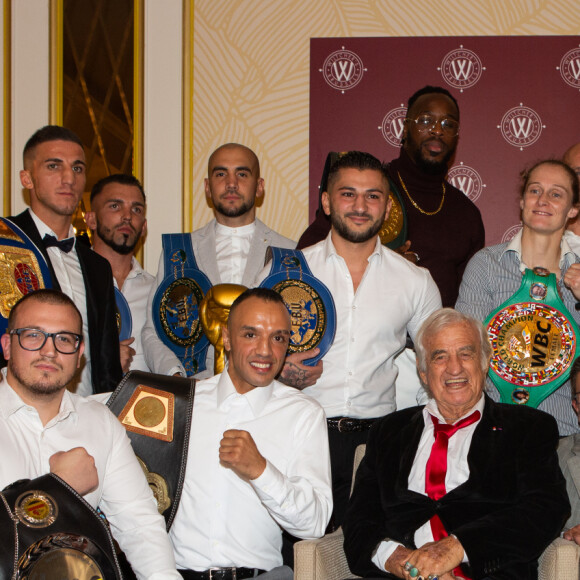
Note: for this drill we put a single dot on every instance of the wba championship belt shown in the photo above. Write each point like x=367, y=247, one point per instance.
x=533, y=340
x=156, y=412
x=176, y=303
x=23, y=268
x=308, y=300
x=123, y=315
x=47, y=530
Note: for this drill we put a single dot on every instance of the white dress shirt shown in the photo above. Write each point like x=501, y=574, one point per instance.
x=224, y=520
x=394, y=297
x=70, y=277
x=232, y=246
x=123, y=493
x=136, y=289
x=457, y=470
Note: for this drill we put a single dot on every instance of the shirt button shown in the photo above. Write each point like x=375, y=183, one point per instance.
x=354, y=306
x=348, y=403
x=350, y=373
x=352, y=339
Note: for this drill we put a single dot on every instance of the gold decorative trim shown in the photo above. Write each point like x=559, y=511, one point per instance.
x=56, y=65
x=7, y=110
x=187, y=112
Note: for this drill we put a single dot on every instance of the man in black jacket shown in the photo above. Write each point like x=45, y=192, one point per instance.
x=55, y=175
x=463, y=487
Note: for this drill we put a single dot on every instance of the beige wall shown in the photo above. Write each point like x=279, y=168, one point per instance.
x=251, y=73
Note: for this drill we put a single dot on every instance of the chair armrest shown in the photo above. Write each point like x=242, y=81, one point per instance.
x=560, y=561
x=321, y=559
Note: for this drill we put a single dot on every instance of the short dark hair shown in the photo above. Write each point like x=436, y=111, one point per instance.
x=429, y=90
x=121, y=179
x=44, y=296
x=573, y=376
x=49, y=133
x=525, y=175
x=265, y=294
x=355, y=160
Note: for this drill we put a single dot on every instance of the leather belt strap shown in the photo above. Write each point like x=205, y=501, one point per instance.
x=221, y=573
x=348, y=424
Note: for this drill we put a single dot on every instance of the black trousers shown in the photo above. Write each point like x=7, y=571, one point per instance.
x=342, y=448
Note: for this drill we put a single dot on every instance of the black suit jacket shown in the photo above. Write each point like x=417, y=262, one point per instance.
x=103, y=334
x=511, y=507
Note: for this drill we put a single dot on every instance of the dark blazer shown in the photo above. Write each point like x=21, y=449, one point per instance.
x=104, y=336
x=511, y=507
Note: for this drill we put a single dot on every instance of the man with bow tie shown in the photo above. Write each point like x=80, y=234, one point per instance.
x=463, y=487
x=55, y=175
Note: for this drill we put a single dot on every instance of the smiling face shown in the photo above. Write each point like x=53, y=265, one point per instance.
x=43, y=372
x=357, y=203
x=430, y=148
x=55, y=175
x=453, y=373
x=256, y=340
x=233, y=184
x=117, y=217
x=546, y=203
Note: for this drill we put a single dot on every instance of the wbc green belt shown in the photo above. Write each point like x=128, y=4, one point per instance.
x=533, y=340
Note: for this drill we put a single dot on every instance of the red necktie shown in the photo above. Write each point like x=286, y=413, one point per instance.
x=437, y=469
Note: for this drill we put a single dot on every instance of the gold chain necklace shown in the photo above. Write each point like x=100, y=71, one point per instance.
x=417, y=205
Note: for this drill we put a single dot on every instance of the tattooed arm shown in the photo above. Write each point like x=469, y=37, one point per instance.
x=298, y=375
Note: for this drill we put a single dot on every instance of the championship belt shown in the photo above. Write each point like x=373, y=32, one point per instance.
x=123, y=315
x=156, y=412
x=176, y=303
x=533, y=340
x=47, y=530
x=23, y=268
x=308, y=300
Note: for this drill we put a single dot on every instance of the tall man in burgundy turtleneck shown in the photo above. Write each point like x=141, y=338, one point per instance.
x=444, y=226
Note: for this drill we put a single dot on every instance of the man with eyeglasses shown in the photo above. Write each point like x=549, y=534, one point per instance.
x=444, y=226
x=54, y=174
x=569, y=456
x=44, y=428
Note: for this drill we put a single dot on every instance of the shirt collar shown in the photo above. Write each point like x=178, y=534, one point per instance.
x=246, y=230
x=43, y=229
x=329, y=249
x=11, y=403
x=432, y=409
x=256, y=398
x=136, y=269
x=567, y=256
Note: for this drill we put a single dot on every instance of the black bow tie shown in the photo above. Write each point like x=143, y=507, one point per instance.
x=65, y=245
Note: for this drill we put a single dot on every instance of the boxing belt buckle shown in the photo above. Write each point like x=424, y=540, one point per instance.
x=533, y=340
x=308, y=300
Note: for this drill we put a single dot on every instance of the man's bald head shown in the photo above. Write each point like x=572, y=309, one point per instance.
x=230, y=146
x=572, y=158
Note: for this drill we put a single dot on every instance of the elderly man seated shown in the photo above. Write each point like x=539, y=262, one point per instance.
x=463, y=487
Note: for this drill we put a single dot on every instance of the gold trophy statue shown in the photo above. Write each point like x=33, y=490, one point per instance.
x=213, y=314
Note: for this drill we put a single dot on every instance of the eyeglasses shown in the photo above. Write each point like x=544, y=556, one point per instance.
x=35, y=339
x=427, y=122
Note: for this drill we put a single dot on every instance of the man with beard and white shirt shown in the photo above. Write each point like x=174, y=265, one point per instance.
x=44, y=429
x=379, y=297
x=229, y=249
x=117, y=221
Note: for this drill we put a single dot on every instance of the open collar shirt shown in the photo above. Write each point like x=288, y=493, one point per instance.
x=136, y=289
x=224, y=520
x=394, y=297
x=492, y=276
x=122, y=493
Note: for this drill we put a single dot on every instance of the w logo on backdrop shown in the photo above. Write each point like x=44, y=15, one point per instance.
x=570, y=68
x=461, y=68
x=393, y=124
x=521, y=127
x=467, y=180
x=343, y=70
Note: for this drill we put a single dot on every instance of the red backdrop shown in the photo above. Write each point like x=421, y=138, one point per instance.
x=519, y=99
